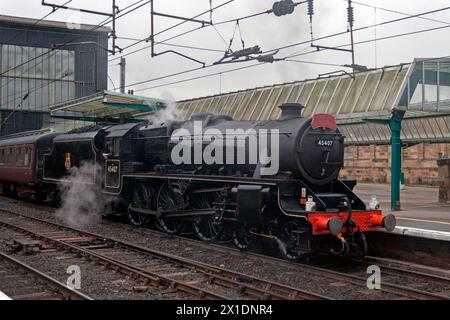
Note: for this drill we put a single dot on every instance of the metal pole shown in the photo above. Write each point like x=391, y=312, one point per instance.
x=122, y=74
x=152, y=40
x=438, y=78
x=113, y=27
x=396, y=145
x=423, y=85
x=351, y=37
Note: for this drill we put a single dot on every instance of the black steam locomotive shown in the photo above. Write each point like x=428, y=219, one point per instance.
x=244, y=179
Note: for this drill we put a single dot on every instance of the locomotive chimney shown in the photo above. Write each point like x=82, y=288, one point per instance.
x=290, y=110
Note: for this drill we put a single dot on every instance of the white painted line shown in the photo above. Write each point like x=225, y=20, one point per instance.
x=4, y=296
x=424, y=233
x=422, y=220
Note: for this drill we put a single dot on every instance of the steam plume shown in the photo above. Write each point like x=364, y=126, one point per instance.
x=170, y=113
x=82, y=200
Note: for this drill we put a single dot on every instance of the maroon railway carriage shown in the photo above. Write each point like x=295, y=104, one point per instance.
x=21, y=161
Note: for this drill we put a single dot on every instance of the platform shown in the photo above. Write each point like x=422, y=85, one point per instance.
x=421, y=214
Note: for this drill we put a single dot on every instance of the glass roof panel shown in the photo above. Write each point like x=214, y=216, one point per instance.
x=351, y=136
x=265, y=95
x=282, y=98
x=304, y=95
x=345, y=133
x=296, y=90
x=443, y=127
x=314, y=97
x=435, y=127
x=353, y=94
x=327, y=95
x=371, y=133
x=232, y=107
x=383, y=90
x=213, y=105
x=367, y=92
x=200, y=106
x=427, y=128
x=208, y=107
x=420, y=129
x=270, y=105
x=370, y=92
x=183, y=108
x=241, y=108
x=395, y=91
x=221, y=103
x=339, y=95
x=191, y=108
x=359, y=134
x=406, y=131
x=254, y=100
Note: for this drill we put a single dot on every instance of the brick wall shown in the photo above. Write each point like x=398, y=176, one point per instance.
x=373, y=163
x=444, y=180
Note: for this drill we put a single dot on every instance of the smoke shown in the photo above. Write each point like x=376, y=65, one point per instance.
x=82, y=200
x=170, y=113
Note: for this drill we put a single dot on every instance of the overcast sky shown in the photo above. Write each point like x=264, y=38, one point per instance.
x=267, y=31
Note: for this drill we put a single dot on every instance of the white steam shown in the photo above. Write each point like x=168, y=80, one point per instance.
x=82, y=200
x=170, y=113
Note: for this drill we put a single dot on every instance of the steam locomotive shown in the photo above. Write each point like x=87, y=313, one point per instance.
x=246, y=180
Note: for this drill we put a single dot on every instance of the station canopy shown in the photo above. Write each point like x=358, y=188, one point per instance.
x=420, y=88
x=106, y=106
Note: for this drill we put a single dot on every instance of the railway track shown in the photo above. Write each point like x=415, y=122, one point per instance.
x=154, y=267
x=22, y=282
x=400, y=278
x=395, y=288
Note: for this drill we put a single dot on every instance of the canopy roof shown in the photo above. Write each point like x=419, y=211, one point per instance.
x=421, y=88
x=106, y=104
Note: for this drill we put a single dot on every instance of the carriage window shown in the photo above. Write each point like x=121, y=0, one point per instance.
x=27, y=157
x=2, y=157
x=9, y=156
x=20, y=156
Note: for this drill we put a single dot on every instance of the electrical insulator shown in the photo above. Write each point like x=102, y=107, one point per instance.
x=350, y=17
x=310, y=8
x=284, y=7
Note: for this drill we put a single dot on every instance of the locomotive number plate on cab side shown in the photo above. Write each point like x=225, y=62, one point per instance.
x=325, y=143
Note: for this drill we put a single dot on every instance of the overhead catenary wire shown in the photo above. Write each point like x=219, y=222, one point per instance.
x=251, y=66
x=298, y=43
x=201, y=77
x=220, y=73
x=397, y=12
x=362, y=28
x=290, y=56
x=138, y=41
x=177, y=45
x=378, y=39
x=195, y=29
x=392, y=36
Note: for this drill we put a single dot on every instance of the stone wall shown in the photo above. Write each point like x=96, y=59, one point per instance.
x=373, y=163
